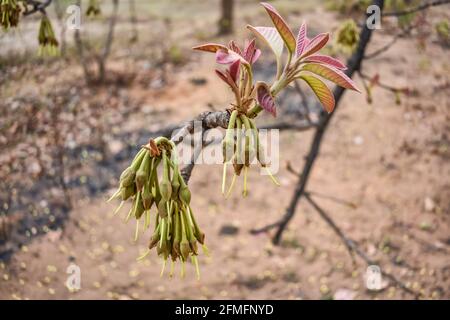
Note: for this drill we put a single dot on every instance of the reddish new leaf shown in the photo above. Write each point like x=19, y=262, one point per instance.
x=265, y=99
x=329, y=73
x=301, y=40
x=234, y=70
x=226, y=77
x=282, y=27
x=322, y=92
x=211, y=47
x=228, y=57
x=315, y=44
x=271, y=38
x=233, y=46
x=326, y=60
x=251, y=53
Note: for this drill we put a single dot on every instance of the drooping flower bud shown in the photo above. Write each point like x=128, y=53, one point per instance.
x=47, y=40
x=128, y=192
x=185, y=194
x=93, y=8
x=162, y=208
x=9, y=13
x=147, y=197
x=165, y=185
x=143, y=173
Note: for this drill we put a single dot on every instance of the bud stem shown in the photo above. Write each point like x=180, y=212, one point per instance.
x=244, y=193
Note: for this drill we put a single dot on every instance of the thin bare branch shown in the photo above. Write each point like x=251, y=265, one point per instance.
x=353, y=247
x=420, y=7
x=37, y=6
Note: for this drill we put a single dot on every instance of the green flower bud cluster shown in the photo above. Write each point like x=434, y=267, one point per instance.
x=93, y=8
x=347, y=36
x=48, y=45
x=9, y=13
x=240, y=146
x=176, y=232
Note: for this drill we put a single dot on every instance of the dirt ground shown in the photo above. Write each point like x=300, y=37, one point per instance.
x=391, y=162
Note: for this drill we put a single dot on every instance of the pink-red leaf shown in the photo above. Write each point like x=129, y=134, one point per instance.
x=301, y=40
x=211, y=47
x=251, y=53
x=282, y=27
x=271, y=38
x=265, y=99
x=329, y=73
x=326, y=60
x=234, y=70
x=315, y=44
x=228, y=57
x=226, y=77
x=233, y=46
x=322, y=92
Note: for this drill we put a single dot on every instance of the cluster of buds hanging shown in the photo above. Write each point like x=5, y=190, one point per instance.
x=48, y=45
x=302, y=63
x=175, y=232
x=93, y=8
x=9, y=13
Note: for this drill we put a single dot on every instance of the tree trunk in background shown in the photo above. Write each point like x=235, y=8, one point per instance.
x=226, y=20
x=133, y=21
x=108, y=43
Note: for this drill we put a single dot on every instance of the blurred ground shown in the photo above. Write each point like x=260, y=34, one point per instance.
x=391, y=161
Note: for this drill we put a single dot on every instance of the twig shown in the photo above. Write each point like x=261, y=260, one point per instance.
x=349, y=244
x=37, y=6
x=353, y=248
x=388, y=45
x=334, y=199
x=420, y=7
x=383, y=85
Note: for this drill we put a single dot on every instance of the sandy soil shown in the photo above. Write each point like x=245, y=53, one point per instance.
x=390, y=161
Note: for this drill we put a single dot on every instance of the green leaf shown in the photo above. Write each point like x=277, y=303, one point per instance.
x=321, y=90
x=329, y=73
x=282, y=27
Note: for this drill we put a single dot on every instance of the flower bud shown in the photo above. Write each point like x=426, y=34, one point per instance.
x=143, y=173
x=147, y=197
x=165, y=187
x=162, y=208
x=175, y=185
x=155, y=238
x=128, y=192
x=185, y=249
x=138, y=206
x=185, y=194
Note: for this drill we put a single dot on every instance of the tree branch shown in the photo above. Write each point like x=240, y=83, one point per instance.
x=37, y=6
x=352, y=246
x=420, y=7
